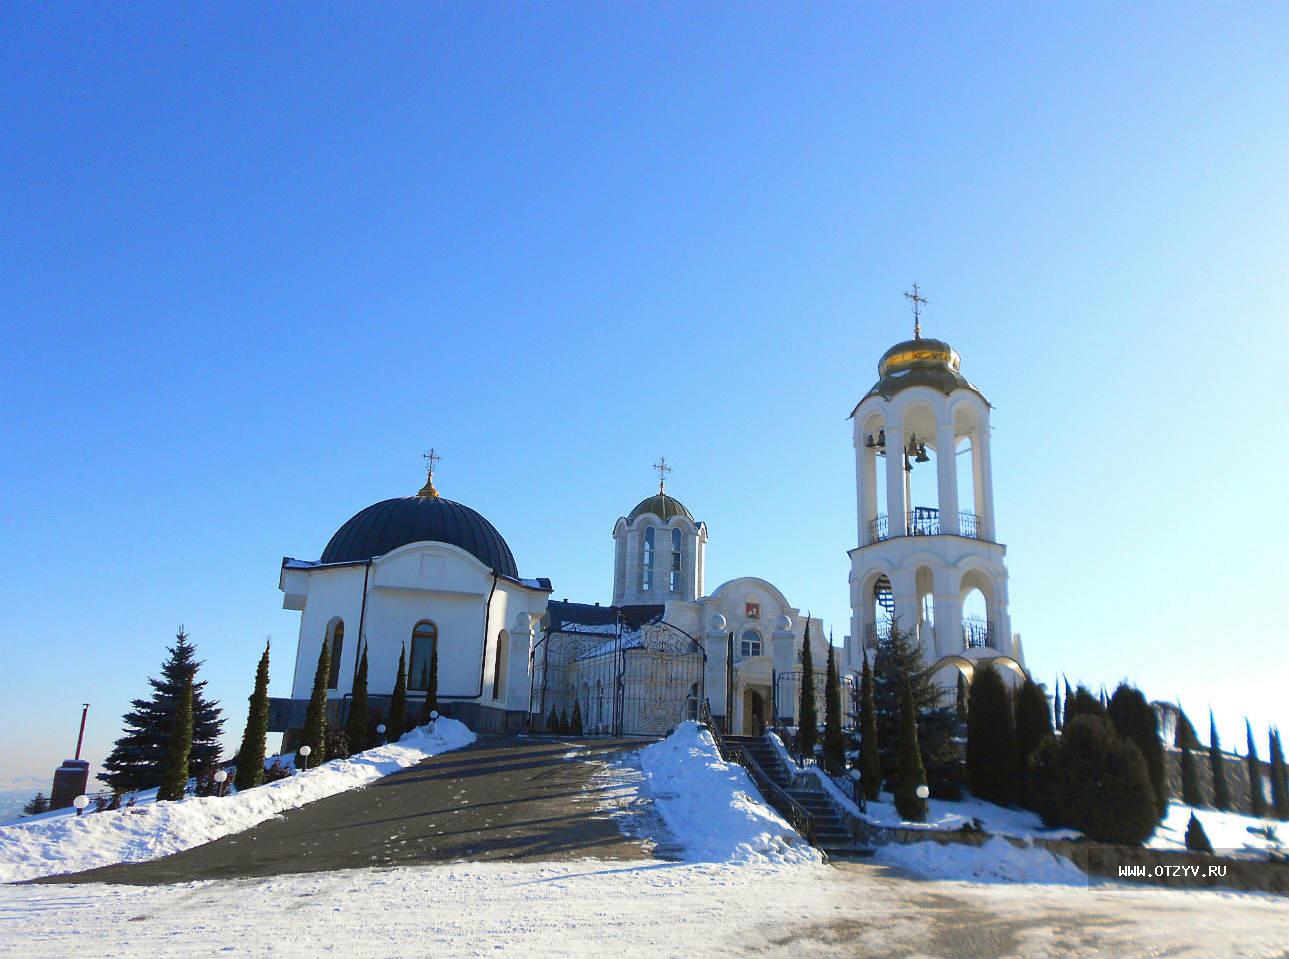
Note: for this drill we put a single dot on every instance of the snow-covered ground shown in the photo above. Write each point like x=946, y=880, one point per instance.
x=712, y=807
x=1227, y=831
x=46, y=846
x=997, y=860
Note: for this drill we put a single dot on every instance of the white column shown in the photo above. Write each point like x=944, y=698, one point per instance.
x=946, y=468
x=896, y=501
x=986, y=481
x=861, y=487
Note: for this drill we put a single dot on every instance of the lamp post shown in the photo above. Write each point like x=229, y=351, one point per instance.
x=819, y=752
x=923, y=792
x=304, y=753
x=221, y=777
x=80, y=802
x=380, y=731
x=858, y=791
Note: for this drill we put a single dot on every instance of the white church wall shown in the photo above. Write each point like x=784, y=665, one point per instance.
x=331, y=592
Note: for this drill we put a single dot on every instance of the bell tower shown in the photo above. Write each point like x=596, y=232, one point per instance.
x=659, y=550
x=928, y=556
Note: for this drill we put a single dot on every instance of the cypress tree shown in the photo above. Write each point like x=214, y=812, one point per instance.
x=174, y=771
x=870, y=761
x=315, y=718
x=1136, y=719
x=1196, y=838
x=834, y=744
x=1279, y=780
x=431, y=685
x=1185, y=734
x=397, y=724
x=1033, y=725
x=1221, y=792
x=552, y=722
x=911, y=772
x=575, y=724
x=136, y=759
x=807, y=716
x=1082, y=703
x=960, y=701
x=1069, y=698
x=1056, y=706
x=356, y=725
x=1191, y=795
x=565, y=724
x=250, y=757
x=991, y=739
x=1257, y=793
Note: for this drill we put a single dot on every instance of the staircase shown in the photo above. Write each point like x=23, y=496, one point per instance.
x=824, y=823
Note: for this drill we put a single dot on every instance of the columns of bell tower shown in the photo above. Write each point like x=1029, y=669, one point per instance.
x=947, y=475
x=896, y=506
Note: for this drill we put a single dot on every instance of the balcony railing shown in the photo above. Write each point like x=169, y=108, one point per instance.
x=924, y=521
x=877, y=528
x=977, y=634
x=874, y=632
x=968, y=525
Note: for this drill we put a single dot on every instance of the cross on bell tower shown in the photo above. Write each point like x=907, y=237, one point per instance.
x=663, y=469
x=431, y=458
x=918, y=301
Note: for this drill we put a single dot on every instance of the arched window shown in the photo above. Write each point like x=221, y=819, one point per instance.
x=647, y=582
x=750, y=644
x=675, y=560
x=499, y=665
x=425, y=637
x=336, y=643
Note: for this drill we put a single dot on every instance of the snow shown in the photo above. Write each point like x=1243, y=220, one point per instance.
x=712, y=808
x=997, y=860
x=1227, y=831
x=69, y=843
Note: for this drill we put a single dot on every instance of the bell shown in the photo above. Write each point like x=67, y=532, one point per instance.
x=881, y=438
x=870, y=442
x=922, y=457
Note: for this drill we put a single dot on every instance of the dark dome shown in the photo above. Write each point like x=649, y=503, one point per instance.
x=662, y=506
x=414, y=519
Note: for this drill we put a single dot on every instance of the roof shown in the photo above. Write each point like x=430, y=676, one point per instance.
x=919, y=362
x=389, y=524
x=662, y=506
x=593, y=618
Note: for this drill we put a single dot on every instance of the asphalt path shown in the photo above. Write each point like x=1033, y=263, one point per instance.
x=498, y=799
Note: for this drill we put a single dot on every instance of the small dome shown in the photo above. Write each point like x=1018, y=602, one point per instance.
x=915, y=353
x=662, y=506
x=392, y=523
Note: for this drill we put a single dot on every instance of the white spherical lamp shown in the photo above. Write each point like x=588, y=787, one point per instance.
x=434, y=714
x=221, y=776
x=80, y=802
x=923, y=791
x=305, y=751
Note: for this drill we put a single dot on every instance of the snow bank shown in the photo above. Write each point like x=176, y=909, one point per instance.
x=712, y=807
x=71, y=844
x=995, y=861
x=1227, y=831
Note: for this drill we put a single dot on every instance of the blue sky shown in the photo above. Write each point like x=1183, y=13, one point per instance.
x=255, y=259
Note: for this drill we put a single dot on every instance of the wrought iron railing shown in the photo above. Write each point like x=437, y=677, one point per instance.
x=977, y=634
x=924, y=521
x=968, y=525
x=875, y=632
x=878, y=528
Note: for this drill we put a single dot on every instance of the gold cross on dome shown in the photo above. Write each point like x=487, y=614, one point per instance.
x=663, y=469
x=918, y=301
x=428, y=489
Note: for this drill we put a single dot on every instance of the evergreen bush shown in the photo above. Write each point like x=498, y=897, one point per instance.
x=315, y=718
x=1257, y=792
x=1135, y=719
x=910, y=772
x=1081, y=703
x=1279, y=779
x=870, y=761
x=807, y=714
x=396, y=725
x=36, y=805
x=834, y=743
x=174, y=769
x=337, y=743
x=1217, y=765
x=991, y=739
x=357, y=731
x=250, y=757
x=1191, y=794
x=552, y=721
x=575, y=724
x=1033, y=725
x=1196, y=838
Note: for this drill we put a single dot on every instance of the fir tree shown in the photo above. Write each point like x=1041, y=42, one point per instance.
x=575, y=724
x=1196, y=838
x=898, y=663
x=1217, y=765
x=991, y=739
x=1033, y=725
x=36, y=805
x=174, y=770
x=870, y=761
x=1279, y=779
x=807, y=717
x=1191, y=794
x=250, y=757
x=136, y=759
x=834, y=743
x=356, y=725
x=552, y=722
x=315, y=718
x=910, y=774
x=431, y=685
x=1257, y=792
x=397, y=723
x=1136, y=719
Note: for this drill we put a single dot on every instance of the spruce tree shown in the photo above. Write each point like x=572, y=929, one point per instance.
x=1135, y=719
x=870, y=761
x=575, y=724
x=36, y=805
x=1191, y=794
x=1279, y=779
x=431, y=685
x=136, y=759
x=1257, y=793
x=356, y=725
x=991, y=739
x=397, y=723
x=834, y=743
x=250, y=757
x=174, y=770
x=807, y=716
x=910, y=773
x=315, y=718
x=1033, y=725
x=1217, y=765
x=1196, y=838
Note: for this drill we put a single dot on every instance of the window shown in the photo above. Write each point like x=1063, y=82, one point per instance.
x=675, y=560
x=336, y=642
x=647, y=582
x=499, y=665
x=751, y=643
x=425, y=639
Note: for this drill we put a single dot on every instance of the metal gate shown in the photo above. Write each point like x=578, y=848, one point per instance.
x=787, y=698
x=620, y=681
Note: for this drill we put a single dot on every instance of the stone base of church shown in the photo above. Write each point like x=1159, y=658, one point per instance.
x=487, y=720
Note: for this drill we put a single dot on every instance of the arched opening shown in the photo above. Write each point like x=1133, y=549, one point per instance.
x=675, y=561
x=872, y=479
x=499, y=662
x=750, y=644
x=978, y=627
x=924, y=580
x=921, y=478
x=964, y=466
x=881, y=612
x=646, y=582
x=425, y=636
x=336, y=645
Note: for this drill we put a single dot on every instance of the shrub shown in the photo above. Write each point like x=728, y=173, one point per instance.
x=991, y=739
x=1135, y=719
x=276, y=771
x=337, y=743
x=1196, y=838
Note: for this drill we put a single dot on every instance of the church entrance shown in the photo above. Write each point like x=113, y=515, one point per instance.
x=755, y=711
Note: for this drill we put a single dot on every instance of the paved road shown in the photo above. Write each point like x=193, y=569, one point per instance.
x=513, y=799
